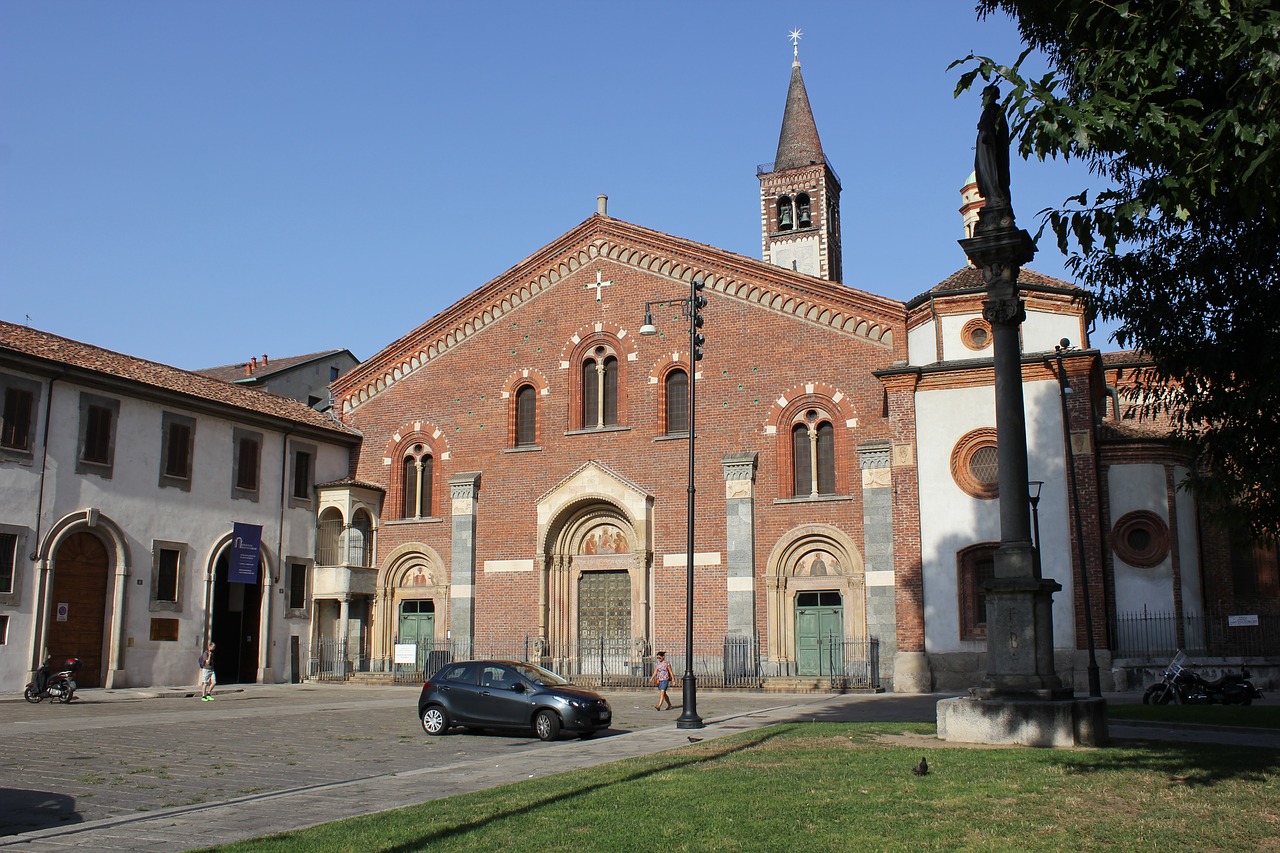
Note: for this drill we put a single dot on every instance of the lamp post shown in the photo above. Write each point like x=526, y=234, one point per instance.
x=1064, y=388
x=691, y=308
x=1033, y=495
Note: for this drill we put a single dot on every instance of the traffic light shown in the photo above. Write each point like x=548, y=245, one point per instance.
x=698, y=302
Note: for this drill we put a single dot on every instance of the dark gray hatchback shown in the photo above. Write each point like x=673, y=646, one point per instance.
x=504, y=694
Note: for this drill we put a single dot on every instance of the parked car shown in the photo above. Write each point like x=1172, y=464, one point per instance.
x=504, y=694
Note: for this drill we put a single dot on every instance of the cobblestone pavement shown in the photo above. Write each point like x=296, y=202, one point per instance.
x=160, y=770
x=114, y=754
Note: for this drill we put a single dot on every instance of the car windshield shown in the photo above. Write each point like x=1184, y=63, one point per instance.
x=538, y=675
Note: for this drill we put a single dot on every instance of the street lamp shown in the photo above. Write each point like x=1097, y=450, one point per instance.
x=1064, y=387
x=1033, y=494
x=692, y=309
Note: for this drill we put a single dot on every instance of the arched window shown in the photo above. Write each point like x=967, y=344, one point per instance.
x=329, y=538
x=813, y=456
x=784, y=213
x=360, y=540
x=676, y=404
x=417, y=473
x=802, y=210
x=600, y=389
x=526, y=432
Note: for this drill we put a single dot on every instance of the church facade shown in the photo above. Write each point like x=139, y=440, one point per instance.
x=526, y=465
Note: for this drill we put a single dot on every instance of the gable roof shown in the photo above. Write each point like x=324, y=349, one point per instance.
x=268, y=368
x=53, y=352
x=862, y=316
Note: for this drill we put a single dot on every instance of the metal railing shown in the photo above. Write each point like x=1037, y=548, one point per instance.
x=1157, y=636
x=733, y=661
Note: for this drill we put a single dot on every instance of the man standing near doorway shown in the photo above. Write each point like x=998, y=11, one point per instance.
x=208, y=680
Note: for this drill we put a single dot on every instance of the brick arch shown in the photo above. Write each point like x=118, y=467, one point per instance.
x=676, y=360
x=790, y=406
x=578, y=348
x=517, y=380
x=418, y=432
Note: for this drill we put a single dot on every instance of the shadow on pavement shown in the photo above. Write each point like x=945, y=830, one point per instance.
x=27, y=811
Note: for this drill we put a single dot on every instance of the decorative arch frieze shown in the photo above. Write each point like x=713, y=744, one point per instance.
x=485, y=314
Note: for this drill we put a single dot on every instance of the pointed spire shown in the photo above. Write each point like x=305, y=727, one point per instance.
x=798, y=144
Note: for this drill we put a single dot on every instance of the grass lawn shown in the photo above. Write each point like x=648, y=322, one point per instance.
x=1254, y=716
x=849, y=786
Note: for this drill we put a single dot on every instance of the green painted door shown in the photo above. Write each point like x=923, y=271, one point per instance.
x=819, y=633
x=418, y=622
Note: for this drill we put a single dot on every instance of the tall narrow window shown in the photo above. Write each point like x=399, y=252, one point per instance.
x=677, y=402
x=416, y=479
x=247, y=465
x=826, y=450
x=297, y=586
x=590, y=394
x=803, y=471
x=166, y=583
x=976, y=567
x=302, y=475
x=15, y=433
x=526, y=416
x=177, y=441
x=610, y=401
x=8, y=561
x=97, y=436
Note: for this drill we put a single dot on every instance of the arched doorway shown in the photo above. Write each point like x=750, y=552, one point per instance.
x=235, y=622
x=81, y=576
x=819, y=632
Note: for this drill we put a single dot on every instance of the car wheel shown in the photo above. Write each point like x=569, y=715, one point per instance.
x=546, y=725
x=435, y=720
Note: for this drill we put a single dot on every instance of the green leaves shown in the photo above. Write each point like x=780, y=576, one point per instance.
x=1175, y=107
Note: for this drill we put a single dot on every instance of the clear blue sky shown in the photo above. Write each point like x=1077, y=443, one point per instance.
x=200, y=182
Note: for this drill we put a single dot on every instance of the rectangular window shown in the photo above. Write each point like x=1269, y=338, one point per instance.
x=247, y=449
x=297, y=586
x=977, y=567
x=4, y=629
x=97, y=436
x=166, y=588
x=168, y=565
x=8, y=561
x=177, y=446
x=15, y=433
x=302, y=474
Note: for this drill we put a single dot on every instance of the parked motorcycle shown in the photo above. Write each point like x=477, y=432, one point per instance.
x=59, y=686
x=1181, y=686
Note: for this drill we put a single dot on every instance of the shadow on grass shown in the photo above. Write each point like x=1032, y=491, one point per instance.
x=673, y=763
x=1196, y=765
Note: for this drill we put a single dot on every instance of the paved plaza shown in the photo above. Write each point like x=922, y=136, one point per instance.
x=161, y=770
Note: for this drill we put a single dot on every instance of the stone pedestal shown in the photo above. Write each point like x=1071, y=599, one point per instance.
x=1061, y=723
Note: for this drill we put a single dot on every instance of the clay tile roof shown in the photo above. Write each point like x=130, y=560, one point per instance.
x=969, y=278
x=235, y=372
x=353, y=482
x=56, y=350
x=798, y=143
x=1133, y=429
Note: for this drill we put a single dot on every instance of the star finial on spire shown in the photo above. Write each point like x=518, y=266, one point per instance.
x=795, y=37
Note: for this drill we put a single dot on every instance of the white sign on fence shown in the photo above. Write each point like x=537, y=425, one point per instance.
x=406, y=653
x=1243, y=621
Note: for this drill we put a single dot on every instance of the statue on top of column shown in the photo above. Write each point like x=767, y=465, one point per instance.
x=991, y=159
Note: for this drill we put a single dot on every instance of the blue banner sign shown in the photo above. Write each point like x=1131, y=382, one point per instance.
x=246, y=550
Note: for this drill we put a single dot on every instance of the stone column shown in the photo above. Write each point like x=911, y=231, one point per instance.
x=462, y=610
x=740, y=541
x=877, y=549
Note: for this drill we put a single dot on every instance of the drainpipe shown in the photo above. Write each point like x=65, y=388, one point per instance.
x=40, y=623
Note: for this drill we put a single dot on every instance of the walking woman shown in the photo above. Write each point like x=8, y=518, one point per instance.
x=662, y=678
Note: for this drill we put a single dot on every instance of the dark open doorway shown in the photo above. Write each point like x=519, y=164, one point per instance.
x=237, y=615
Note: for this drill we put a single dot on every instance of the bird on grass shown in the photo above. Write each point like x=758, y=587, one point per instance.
x=921, y=769
x=693, y=739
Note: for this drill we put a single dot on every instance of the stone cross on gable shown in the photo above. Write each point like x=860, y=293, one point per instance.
x=597, y=284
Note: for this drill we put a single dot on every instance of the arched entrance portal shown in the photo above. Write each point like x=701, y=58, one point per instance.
x=79, y=598
x=819, y=632
x=236, y=620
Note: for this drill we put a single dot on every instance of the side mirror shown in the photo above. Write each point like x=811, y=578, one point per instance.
x=518, y=687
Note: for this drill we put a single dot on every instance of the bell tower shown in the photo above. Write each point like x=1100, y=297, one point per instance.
x=800, y=192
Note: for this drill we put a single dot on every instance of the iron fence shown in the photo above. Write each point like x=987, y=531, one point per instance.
x=733, y=661
x=1157, y=636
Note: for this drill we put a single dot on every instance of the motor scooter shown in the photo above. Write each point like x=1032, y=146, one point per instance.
x=59, y=686
x=1181, y=686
